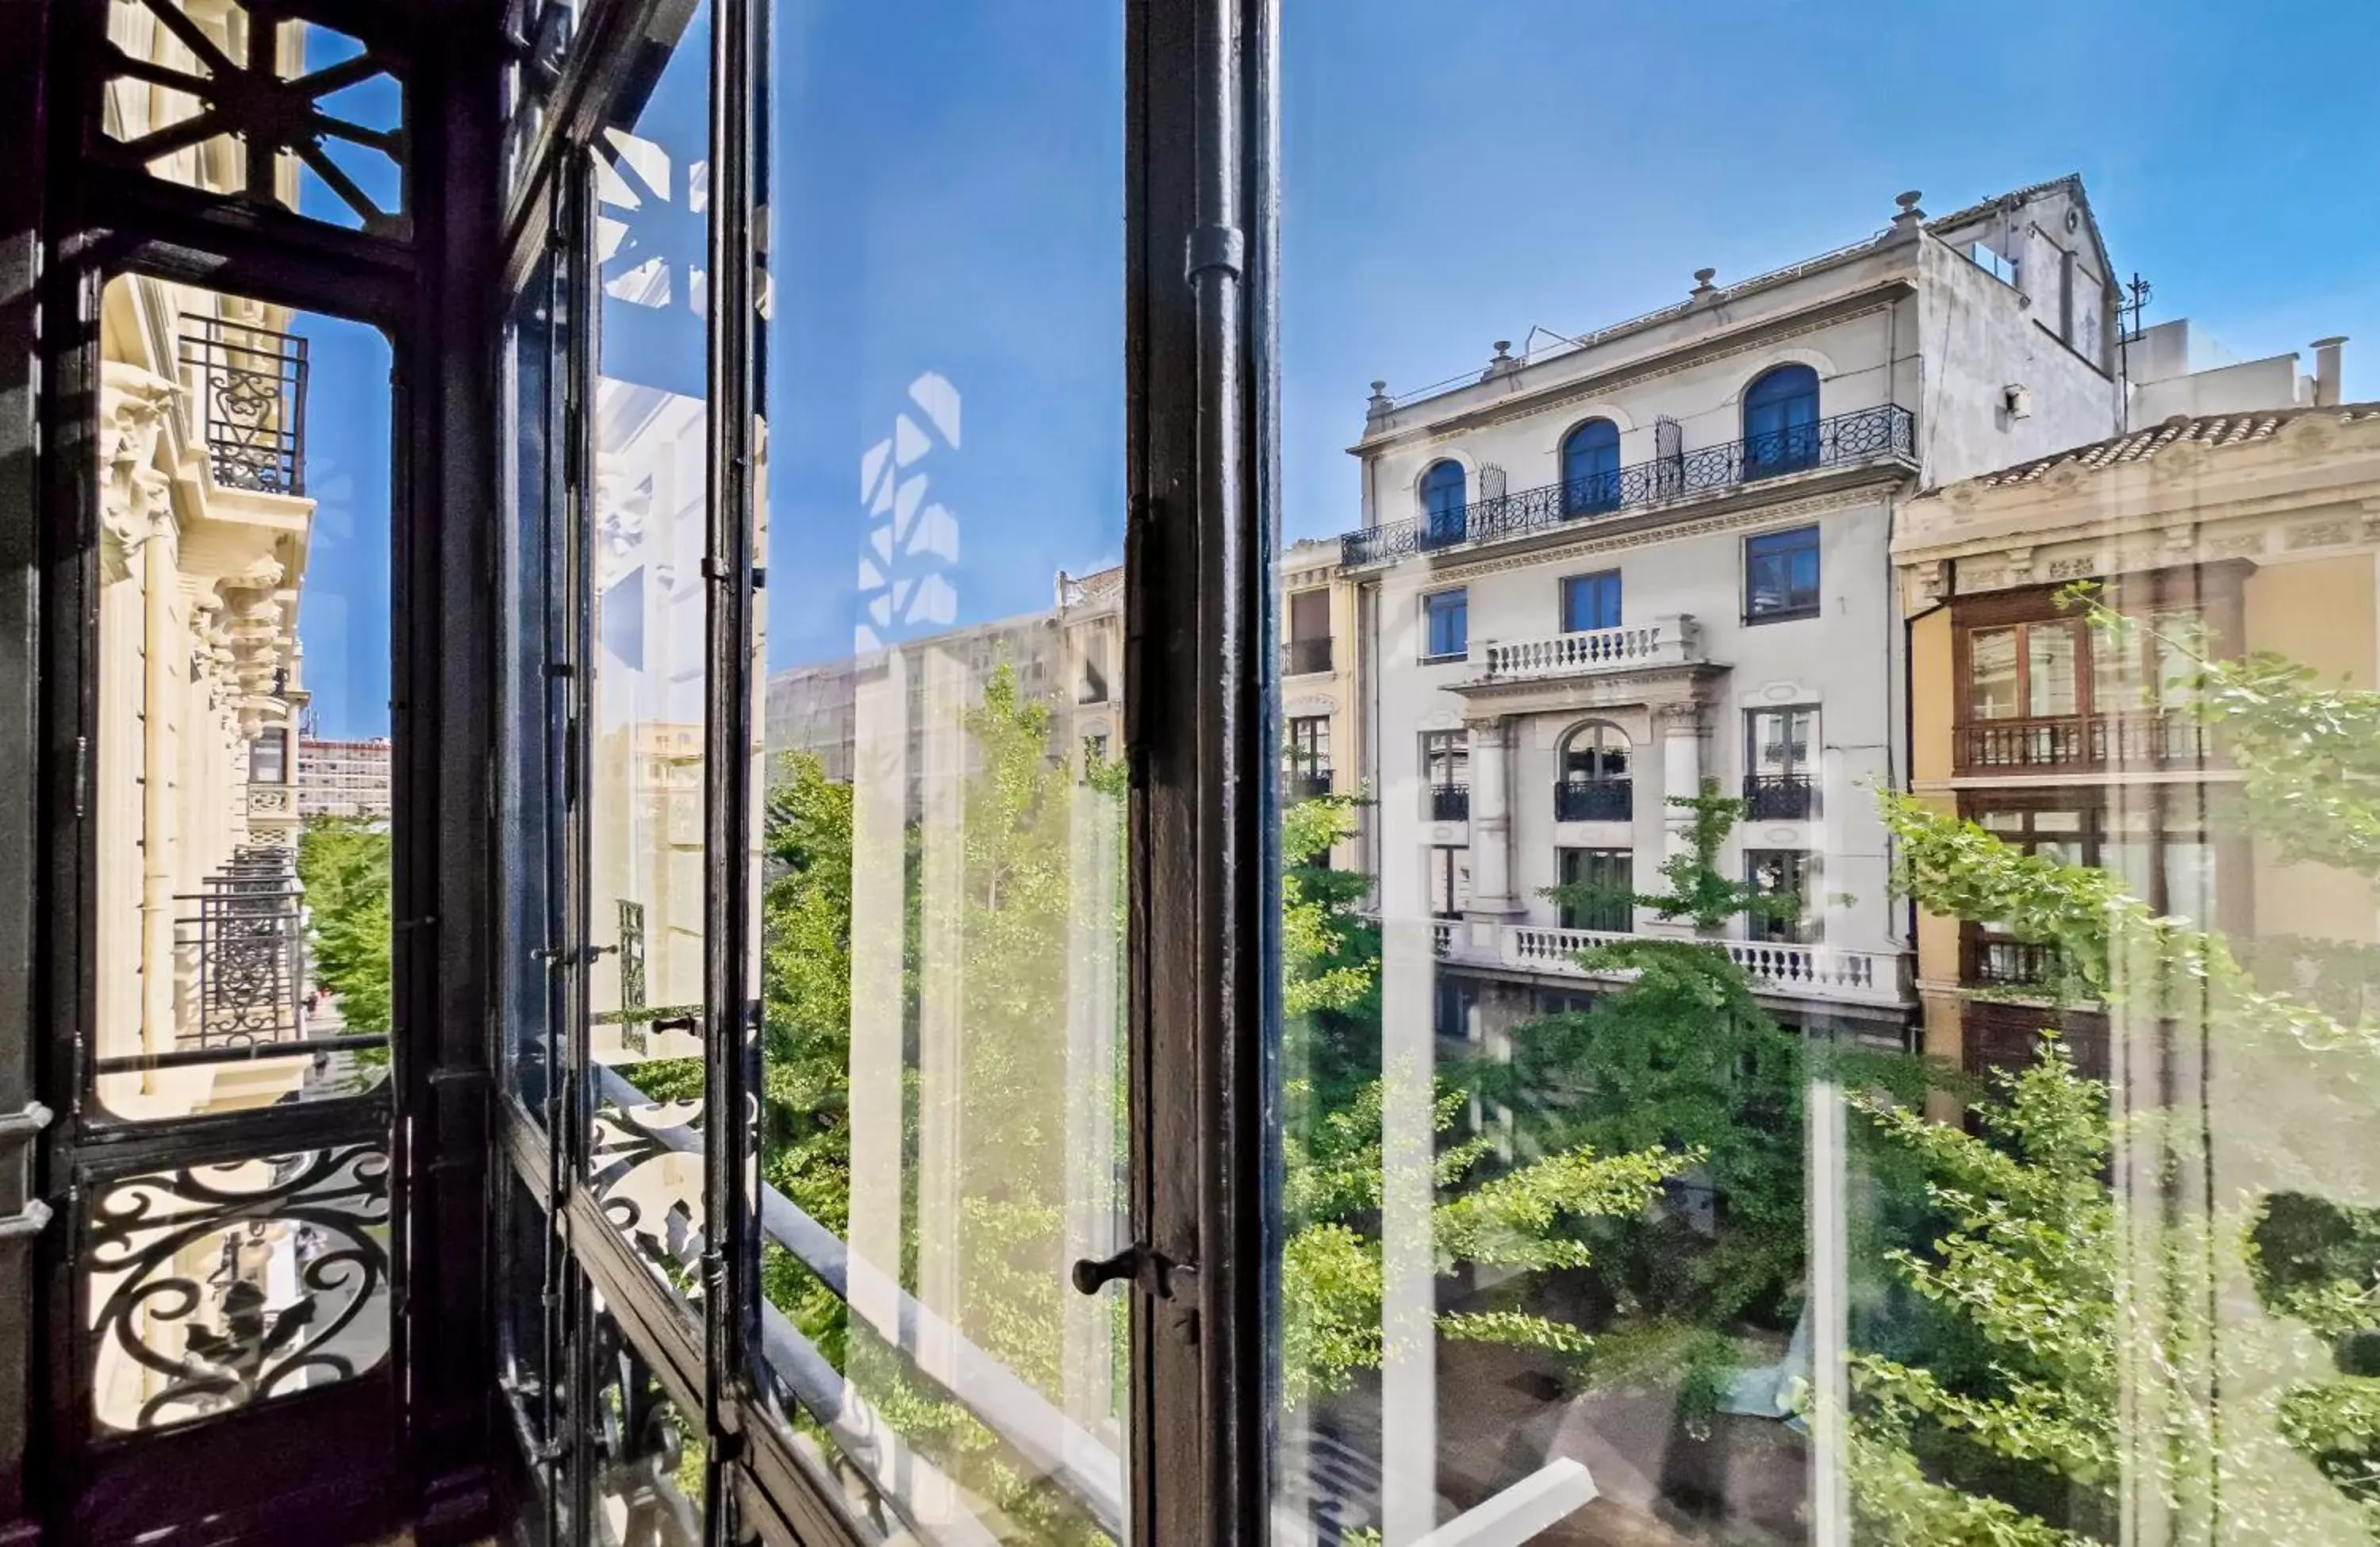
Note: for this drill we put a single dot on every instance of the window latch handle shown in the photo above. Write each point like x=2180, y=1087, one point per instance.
x=1139, y=1262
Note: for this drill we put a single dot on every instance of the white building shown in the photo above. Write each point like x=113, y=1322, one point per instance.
x=343, y=778
x=1598, y=576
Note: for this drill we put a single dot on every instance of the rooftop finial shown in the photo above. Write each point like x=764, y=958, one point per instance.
x=1378, y=407
x=1910, y=217
x=1503, y=364
x=1702, y=285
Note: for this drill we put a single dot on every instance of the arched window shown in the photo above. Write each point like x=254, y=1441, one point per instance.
x=1590, y=468
x=1781, y=421
x=1595, y=785
x=1442, y=503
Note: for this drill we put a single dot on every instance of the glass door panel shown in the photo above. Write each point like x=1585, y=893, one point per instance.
x=939, y=910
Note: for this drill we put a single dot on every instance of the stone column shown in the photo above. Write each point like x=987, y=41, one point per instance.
x=1679, y=727
x=1491, y=818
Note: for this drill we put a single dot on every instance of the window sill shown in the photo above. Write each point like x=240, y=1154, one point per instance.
x=1795, y=616
x=1443, y=660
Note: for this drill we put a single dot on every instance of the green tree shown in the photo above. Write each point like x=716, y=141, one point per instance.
x=343, y=862
x=2051, y=1335
x=1336, y=1153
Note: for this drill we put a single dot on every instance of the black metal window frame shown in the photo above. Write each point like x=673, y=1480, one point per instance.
x=1788, y=791
x=1797, y=870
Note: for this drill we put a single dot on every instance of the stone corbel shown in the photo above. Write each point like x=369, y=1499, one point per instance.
x=135, y=496
x=2019, y=566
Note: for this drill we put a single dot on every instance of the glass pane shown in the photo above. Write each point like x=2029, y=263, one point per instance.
x=242, y=896
x=649, y=684
x=941, y=904
x=2033, y=1203
x=2049, y=661
x=1992, y=677
x=531, y=806
x=648, y=1458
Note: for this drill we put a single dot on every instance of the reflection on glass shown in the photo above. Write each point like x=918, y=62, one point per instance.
x=1725, y=1182
x=241, y=778
x=941, y=907
x=646, y=690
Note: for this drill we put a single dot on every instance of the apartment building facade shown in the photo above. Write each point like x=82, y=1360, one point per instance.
x=348, y=778
x=1599, y=578
x=2234, y=533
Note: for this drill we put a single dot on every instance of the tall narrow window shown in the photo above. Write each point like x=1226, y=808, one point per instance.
x=1309, y=756
x=1443, y=507
x=1446, y=772
x=1449, y=886
x=1590, y=601
x=1590, y=468
x=1594, y=783
x=1781, y=421
x=1783, y=907
x=1597, y=889
x=1446, y=624
x=1309, y=632
x=1781, y=781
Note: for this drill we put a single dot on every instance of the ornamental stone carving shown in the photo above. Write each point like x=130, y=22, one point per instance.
x=135, y=499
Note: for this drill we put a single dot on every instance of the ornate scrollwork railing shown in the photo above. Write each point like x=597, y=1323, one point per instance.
x=244, y=951
x=251, y=383
x=212, y=1287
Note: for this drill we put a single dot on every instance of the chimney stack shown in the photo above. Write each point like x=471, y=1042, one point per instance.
x=2326, y=372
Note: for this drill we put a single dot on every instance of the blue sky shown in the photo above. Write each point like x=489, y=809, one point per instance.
x=948, y=198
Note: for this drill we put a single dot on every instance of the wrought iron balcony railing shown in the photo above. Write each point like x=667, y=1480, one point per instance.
x=1846, y=439
x=244, y=952
x=252, y=391
x=2164, y=739
x=1779, y=798
x=1309, y=784
x=1595, y=800
x=1300, y=656
x=1450, y=802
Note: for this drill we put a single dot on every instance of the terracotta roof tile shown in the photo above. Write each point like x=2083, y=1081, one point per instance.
x=2212, y=429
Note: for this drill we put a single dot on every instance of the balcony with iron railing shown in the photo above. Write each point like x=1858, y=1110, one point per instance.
x=1308, y=784
x=2162, y=739
x=1779, y=798
x=1450, y=802
x=251, y=389
x=1884, y=434
x=1595, y=800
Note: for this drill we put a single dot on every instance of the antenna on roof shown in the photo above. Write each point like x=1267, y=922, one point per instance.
x=2136, y=292
x=2128, y=310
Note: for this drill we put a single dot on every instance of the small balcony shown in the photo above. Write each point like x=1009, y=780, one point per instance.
x=1450, y=802
x=1303, y=657
x=1306, y=785
x=1595, y=800
x=1887, y=432
x=2069, y=743
x=1661, y=642
x=251, y=396
x=1780, y=797
x=1793, y=971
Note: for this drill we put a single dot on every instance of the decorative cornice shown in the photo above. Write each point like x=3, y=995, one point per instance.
x=1556, y=397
